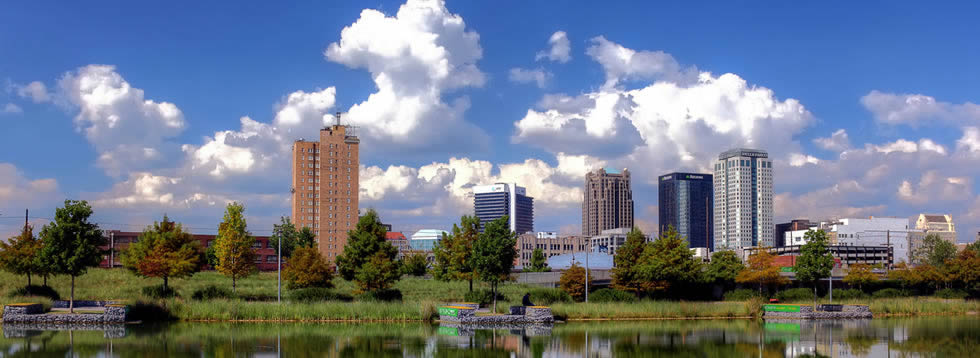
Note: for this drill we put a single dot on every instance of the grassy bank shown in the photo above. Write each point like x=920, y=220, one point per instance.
x=421, y=297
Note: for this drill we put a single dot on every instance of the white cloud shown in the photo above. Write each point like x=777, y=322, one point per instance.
x=915, y=108
x=837, y=142
x=36, y=91
x=621, y=63
x=559, y=50
x=128, y=130
x=799, y=159
x=11, y=108
x=415, y=57
x=539, y=76
x=935, y=187
x=16, y=189
x=907, y=146
x=970, y=141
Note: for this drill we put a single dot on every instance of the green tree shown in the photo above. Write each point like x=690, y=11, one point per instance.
x=934, y=251
x=164, y=250
x=761, y=271
x=306, y=238
x=454, y=253
x=415, y=264
x=625, y=274
x=723, y=268
x=286, y=232
x=378, y=273
x=494, y=253
x=308, y=268
x=860, y=275
x=572, y=281
x=668, y=261
x=363, y=244
x=965, y=270
x=233, y=246
x=19, y=255
x=71, y=244
x=538, y=262
x=815, y=261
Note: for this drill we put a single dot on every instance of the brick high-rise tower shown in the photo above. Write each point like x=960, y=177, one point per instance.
x=608, y=202
x=325, y=186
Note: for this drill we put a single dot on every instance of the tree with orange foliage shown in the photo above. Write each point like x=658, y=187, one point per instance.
x=164, y=250
x=860, y=275
x=572, y=281
x=308, y=268
x=761, y=271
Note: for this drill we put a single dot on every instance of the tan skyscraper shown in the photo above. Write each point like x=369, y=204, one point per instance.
x=608, y=202
x=325, y=186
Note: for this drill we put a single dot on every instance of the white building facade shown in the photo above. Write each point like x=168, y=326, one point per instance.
x=872, y=231
x=743, y=200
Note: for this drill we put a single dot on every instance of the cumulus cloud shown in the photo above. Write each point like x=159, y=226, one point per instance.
x=11, y=108
x=970, y=141
x=126, y=129
x=415, y=58
x=36, y=91
x=621, y=63
x=933, y=186
x=559, y=48
x=912, y=109
x=538, y=76
x=16, y=188
x=907, y=146
x=799, y=159
x=837, y=142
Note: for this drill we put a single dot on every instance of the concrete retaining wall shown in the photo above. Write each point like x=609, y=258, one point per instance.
x=34, y=314
x=807, y=312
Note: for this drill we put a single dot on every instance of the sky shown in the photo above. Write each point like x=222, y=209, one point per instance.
x=177, y=108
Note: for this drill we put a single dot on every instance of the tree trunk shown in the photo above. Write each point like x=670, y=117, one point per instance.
x=233, y=284
x=814, y=296
x=164, y=284
x=71, y=300
x=494, y=293
x=471, y=284
x=28, y=278
x=45, y=280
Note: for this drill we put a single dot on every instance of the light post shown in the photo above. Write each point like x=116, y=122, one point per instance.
x=279, y=273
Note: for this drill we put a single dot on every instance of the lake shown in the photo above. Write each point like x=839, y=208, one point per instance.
x=898, y=337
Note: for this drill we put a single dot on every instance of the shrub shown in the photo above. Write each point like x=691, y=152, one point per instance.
x=547, y=296
x=483, y=297
x=158, y=291
x=150, y=312
x=308, y=268
x=951, y=293
x=889, y=293
x=611, y=295
x=741, y=294
x=851, y=293
x=386, y=295
x=573, y=282
x=795, y=294
x=211, y=292
x=317, y=294
x=35, y=290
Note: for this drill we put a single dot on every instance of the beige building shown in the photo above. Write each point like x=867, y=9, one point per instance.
x=609, y=241
x=325, y=186
x=550, y=244
x=941, y=224
x=608, y=201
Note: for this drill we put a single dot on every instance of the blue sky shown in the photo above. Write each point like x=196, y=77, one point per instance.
x=899, y=78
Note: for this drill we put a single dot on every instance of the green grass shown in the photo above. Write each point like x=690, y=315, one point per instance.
x=421, y=297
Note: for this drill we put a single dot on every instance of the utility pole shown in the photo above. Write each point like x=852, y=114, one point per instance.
x=279, y=273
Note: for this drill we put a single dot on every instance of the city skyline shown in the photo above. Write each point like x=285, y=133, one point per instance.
x=445, y=96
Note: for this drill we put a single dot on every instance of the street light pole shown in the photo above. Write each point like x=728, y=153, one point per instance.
x=279, y=273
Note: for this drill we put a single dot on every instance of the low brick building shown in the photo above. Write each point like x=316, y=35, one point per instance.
x=265, y=259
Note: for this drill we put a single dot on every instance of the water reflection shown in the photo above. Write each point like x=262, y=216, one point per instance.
x=930, y=336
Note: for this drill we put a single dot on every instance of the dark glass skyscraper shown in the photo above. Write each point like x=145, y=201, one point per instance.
x=686, y=204
x=490, y=202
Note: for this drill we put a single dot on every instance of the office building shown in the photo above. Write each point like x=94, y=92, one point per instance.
x=610, y=240
x=399, y=241
x=743, y=199
x=425, y=239
x=491, y=202
x=780, y=238
x=871, y=231
x=550, y=243
x=607, y=202
x=844, y=254
x=325, y=186
x=939, y=224
x=685, y=203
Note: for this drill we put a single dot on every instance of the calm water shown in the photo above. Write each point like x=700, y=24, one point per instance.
x=930, y=336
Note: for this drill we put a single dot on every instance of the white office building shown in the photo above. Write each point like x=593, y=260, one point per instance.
x=743, y=199
x=872, y=231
